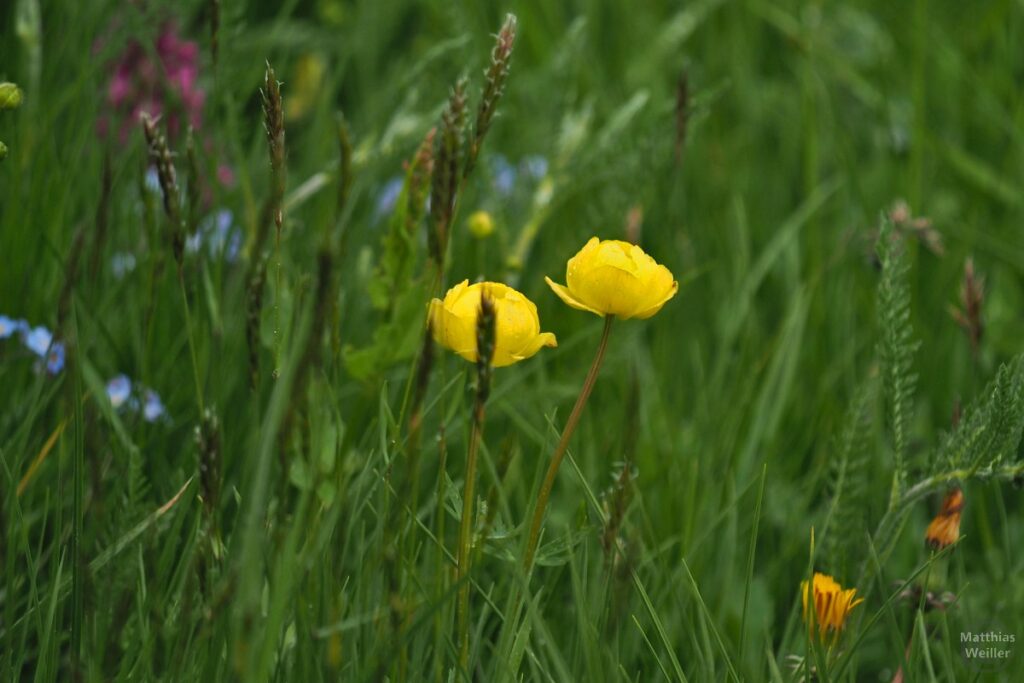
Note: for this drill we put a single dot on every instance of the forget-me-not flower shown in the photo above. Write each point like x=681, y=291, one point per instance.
x=38, y=340
x=536, y=166
x=119, y=389
x=153, y=180
x=55, y=358
x=216, y=232
x=122, y=263
x=388, y=197
x=152, y=406
x=503, y=174
x=8, y=326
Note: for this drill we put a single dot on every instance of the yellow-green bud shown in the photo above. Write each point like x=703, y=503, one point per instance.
x=480, y=224
x=3, y=151
x=10, y=96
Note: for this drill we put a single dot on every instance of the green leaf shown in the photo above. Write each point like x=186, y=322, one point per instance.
x=394, y=341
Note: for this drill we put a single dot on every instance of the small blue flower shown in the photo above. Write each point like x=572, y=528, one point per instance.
x=118, y=390
x=536, y=166
x=122, y=263
x=388, y=197
x=221, y=237
x=153, y=180
x=503, y=174
x=194, y=242
x=152, y=406
x=8, y=326
x=38, y=340
x=55, y=358
x=217, y=233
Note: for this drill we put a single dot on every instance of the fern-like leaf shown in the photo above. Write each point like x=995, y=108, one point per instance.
x=991, y=427
x=896, y=350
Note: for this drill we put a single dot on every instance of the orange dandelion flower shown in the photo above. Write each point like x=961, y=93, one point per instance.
x=832, y=604
x=945, y=528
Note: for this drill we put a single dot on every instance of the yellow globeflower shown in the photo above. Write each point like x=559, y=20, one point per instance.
x=832, y=604
x=517, y=327
x=610, y=277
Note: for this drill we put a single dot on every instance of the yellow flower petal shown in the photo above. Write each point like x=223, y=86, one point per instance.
x=643, y=315
x=564, y=295
x=452, y=331
x=541, y=340
x=832, y=604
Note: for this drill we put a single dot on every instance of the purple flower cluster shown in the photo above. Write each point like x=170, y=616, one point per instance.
x=160, y=82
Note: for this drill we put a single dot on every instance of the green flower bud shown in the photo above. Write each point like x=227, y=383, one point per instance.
x=3, y=151
x=10, y=96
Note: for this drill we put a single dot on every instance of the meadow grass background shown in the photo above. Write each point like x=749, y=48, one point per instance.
x=804, y=124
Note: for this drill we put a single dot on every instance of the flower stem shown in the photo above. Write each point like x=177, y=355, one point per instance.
x=465, y=534
x=563, y=444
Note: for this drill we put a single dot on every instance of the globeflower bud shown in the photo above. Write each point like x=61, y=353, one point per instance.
x=453, y=322
x=10, y=96
x=480, y=224
x=610, y=277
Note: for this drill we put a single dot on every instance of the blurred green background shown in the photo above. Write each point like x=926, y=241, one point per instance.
x=761, y=188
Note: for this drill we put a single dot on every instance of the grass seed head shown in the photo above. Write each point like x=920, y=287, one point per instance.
x=207, y=439
x=496, y=75
x=253, y=312
x=160, y=157
x=273, y=123
x=486, y=334
x=446, y=171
